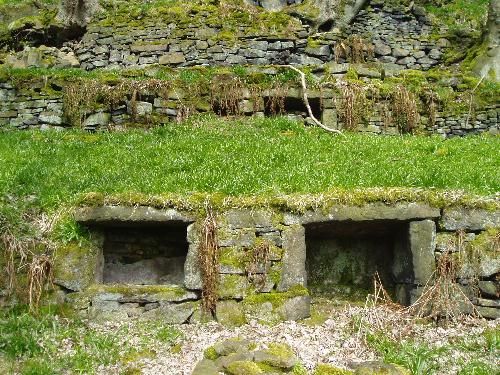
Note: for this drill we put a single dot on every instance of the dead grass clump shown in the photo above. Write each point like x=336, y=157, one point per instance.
x=354, y=49
x=442, y=298
x=351, y=105
x=226, y=94
x=404, y=110
x=16, y=254
x=85, y=97
x=208, y=261
x=40, y=274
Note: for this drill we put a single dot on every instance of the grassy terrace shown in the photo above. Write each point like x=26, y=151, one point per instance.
x=267, y=157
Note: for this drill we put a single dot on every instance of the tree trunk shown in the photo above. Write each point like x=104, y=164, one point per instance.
x=77, y=12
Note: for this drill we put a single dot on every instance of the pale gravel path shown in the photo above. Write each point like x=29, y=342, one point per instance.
x=336, y=341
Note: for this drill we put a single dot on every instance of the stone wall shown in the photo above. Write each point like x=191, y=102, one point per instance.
x=43, y=109
x=389, y=35
x=263, y=256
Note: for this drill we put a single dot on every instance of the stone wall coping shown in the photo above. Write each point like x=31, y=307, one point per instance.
x=123, y=215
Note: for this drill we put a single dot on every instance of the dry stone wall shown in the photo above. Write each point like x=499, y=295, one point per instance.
x=44, y=110
x=262, y=260
x=390, y=35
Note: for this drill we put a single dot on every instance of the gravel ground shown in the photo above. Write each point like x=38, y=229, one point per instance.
x=339, y=340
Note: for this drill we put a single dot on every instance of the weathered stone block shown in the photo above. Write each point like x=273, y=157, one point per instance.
x=117, y=214
x=423, y=245
x=172, y=58
x=98, y=119
x=373, y=211
x=192, y=273
x=233, y=286
x=172, y=313
x=77, y=267
x=459, y=218
x=294, y=258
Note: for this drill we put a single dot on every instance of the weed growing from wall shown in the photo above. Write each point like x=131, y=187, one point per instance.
x=404, y=110
x=208, y=261
x=351, y=105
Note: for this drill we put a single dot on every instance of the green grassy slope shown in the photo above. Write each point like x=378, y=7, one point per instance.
x=263, y=157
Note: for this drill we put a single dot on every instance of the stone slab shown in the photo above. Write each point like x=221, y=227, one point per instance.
x=121, y=214
x=459, y=218
x=373, y=211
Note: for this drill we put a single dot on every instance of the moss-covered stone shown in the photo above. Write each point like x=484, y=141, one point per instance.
x=324, y=369
x=277, y=355
x=243, y=368
x=233, y=286
x=76, y=265
x=230, y=313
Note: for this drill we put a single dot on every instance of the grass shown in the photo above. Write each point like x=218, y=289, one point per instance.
x=263, y=157
x=53, y=343
x=420, y=359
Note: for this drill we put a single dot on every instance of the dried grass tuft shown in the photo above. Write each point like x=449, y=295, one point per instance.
x=40, y=274
x=208, y=260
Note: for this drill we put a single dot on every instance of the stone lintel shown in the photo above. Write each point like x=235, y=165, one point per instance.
x=372, y=211
x=123, y=215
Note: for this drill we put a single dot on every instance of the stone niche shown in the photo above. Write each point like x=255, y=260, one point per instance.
x=151, y=254
x=343, y=257
x=139, y=246
x=338, y=253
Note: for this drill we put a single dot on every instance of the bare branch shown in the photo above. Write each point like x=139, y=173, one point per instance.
x=306, y=101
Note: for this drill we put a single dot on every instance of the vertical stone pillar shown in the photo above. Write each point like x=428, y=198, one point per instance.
x=294, y=258
x=422, y=247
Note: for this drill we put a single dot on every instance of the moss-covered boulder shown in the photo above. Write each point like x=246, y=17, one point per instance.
x=277, y=355
x=76, y=266
x=243, y=368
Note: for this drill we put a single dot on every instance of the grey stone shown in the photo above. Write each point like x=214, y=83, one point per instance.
x=244, y=237
x=152, y=47
x=121, y=214
x=489, y=288
x=372, y=211
x=141, y=108
x=192, y=273
x=172, y=313
x=382, y=49
x=320, y=51
x=206, y=367
x=400, y=52
x=233, y=286
x=407, y=60
x=459, y=218
x=435, y=54
x=489, y=312
x=172, y=58
x=294, y=245
x=236, y=59
x=296, y=308
x=423, y=245
x=52, y=118
x=97, y=119
x=237, y=219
